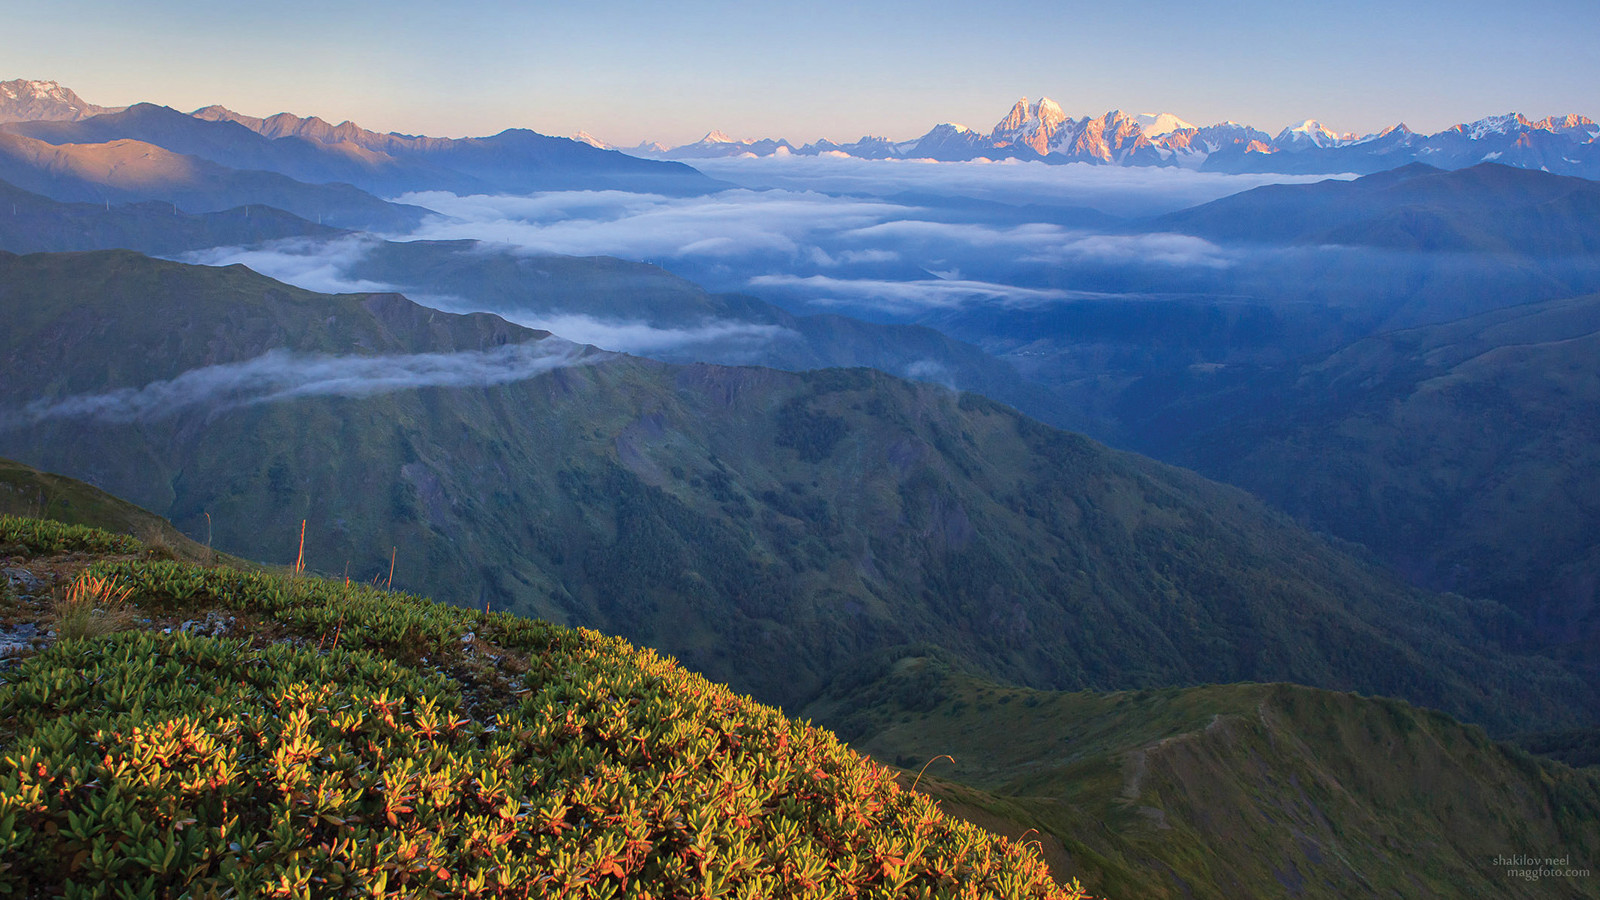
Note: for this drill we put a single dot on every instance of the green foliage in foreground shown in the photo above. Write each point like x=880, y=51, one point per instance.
x=43, y=536
x=174, y=764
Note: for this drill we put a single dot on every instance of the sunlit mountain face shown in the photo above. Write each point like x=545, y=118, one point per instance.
x=1040, y=130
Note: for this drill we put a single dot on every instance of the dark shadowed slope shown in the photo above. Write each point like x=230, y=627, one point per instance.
x=32, y=223
x=1488, y=208
x=126, y=170
x=1466, y=454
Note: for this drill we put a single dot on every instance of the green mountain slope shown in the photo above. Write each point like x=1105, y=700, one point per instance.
x=347, y=742
x=723, y=515
x=1464, y=454
x=1258, y=790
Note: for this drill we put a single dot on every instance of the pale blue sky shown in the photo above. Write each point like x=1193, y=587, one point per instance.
x=627, y=70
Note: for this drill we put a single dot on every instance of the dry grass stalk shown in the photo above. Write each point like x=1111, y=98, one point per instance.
x=92, y=607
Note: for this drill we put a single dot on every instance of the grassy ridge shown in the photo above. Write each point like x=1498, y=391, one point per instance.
x=28, y=492
x=419, y=749
x=1248, y=790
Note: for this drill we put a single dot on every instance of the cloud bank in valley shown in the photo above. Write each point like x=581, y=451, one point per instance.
x=734, y=239
x=315, y=264
x=907, y=296
x=870, y=252
x=726, y=225
x=280, y=375
x=731, y=339
x=1130, y=191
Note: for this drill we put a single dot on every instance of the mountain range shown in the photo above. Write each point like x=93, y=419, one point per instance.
x=124, y=170
x=1040, y=130
x=1488, y=209
x=52, y=143
x=310, y=150
x=519, y=160
x=720, y=514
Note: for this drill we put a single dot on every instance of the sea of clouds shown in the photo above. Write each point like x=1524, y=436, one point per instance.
x=882, y=238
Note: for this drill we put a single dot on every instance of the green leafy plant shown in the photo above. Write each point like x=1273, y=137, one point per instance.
x=46, y=536
x=396, y=764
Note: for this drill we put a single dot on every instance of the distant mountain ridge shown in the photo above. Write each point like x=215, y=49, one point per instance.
x=1041, y=130
x=37, y=223
x=22, y=100
x=123, y=170
x=1487, y=208
x=311, y=150
x=516, y=159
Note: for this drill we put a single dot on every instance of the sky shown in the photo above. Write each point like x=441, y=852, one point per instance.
x=630, y=70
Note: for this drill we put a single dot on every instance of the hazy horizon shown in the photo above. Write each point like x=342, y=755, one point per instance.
x=628, y=72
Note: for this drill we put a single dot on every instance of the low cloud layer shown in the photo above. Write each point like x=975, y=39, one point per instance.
x=280, y=375
x=864, y=249
x=1043, y=243
x=1132, y=191
x=644, y=339
x=906, y=296
x=310, y=263
x=729, y=225
x=739, y=240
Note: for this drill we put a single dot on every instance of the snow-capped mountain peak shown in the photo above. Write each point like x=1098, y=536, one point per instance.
x=36, y=90
x=1579, y=127
x=584, y=137
x=1310, y=133
x=1031, y=125
x=24, y=100
x=1157, y=124
x=1015, y=119
x=1490, y=126
x=1039, y=131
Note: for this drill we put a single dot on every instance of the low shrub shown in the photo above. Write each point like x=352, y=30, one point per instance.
x=143, y=764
